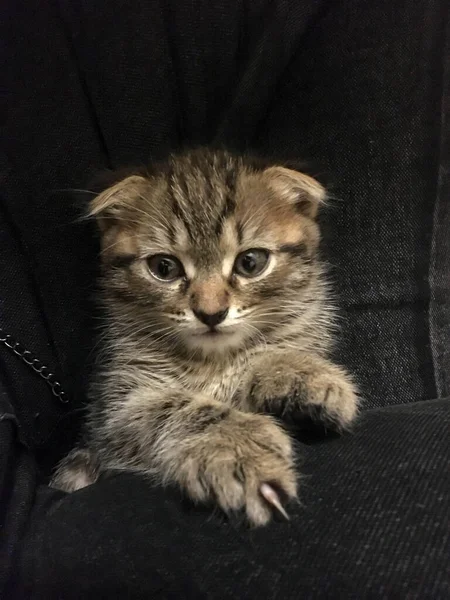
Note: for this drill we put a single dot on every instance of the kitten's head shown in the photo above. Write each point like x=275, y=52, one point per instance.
x=209, y=252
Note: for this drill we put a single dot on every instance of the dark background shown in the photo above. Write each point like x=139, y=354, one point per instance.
x=360, y=90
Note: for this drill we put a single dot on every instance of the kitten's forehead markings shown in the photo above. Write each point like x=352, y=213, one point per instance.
x=155, y=241
x=182, y=242
x=229, y=242
x=182, y=239
x=230, y=233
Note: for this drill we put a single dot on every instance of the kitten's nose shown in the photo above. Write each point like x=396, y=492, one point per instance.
x=211, y=319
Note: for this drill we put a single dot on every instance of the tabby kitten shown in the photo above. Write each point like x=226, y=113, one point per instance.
x=217, y=325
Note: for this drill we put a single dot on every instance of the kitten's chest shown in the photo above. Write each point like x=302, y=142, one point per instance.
x=220, y=382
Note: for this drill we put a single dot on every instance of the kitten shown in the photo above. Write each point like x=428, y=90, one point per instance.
x=217, y=328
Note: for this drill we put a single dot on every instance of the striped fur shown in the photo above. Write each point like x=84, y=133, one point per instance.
x=195, y=407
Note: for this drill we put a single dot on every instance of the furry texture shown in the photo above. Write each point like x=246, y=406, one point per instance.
x=218, y=326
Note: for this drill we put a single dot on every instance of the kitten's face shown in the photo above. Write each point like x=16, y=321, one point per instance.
x=208, y=254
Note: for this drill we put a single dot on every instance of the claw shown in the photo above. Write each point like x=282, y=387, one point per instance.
x=270, y=495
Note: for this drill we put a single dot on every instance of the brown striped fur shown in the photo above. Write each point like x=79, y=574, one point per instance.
x=195, y=408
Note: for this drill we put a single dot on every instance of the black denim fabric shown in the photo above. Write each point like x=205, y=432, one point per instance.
x=358, y=88
x=374, y=523
x=440, y=253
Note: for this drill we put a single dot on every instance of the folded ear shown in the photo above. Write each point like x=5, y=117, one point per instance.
x=297, y=188
x=112, y=204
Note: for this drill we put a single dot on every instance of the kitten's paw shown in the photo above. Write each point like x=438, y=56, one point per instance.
x=246, y=464
x=77, y=470
x=296, y=387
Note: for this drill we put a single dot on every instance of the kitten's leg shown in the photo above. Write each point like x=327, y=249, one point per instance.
x=294, y=385
x=77, y=470
x=213, y=452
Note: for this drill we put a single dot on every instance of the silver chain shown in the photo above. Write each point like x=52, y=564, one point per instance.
x=38, y=367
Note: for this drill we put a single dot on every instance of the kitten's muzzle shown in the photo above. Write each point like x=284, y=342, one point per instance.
x=211, y=320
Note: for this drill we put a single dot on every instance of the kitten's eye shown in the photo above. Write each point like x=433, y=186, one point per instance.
x=251, y=262
x=165, y=267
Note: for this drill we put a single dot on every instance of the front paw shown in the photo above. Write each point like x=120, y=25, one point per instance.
x=297, y=387
x=77, y=470
x=246, y=464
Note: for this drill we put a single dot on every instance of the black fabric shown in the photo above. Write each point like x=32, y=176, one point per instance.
x=17, y=489
x=359, y=88
x=440, y=255
x=374, y=523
